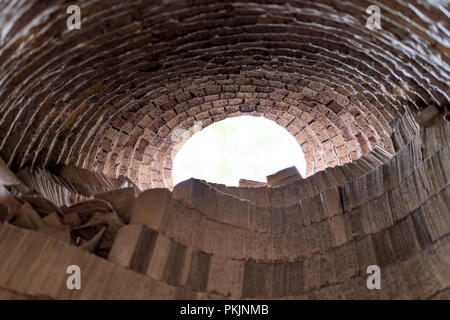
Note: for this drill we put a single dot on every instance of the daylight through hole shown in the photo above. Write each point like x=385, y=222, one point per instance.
x=245, y=147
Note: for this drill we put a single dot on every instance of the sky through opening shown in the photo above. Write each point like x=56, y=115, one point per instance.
x=244, y=147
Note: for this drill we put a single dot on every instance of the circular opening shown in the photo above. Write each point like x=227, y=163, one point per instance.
x=244, y=147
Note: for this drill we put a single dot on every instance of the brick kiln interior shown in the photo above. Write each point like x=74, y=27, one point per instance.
x=87, y=116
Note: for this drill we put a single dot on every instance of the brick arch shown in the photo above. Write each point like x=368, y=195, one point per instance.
x=110, y=95
x=308, y=110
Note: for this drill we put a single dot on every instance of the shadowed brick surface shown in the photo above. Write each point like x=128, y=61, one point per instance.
x=89, y=120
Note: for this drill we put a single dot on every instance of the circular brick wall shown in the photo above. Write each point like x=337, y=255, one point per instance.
x=111, y=95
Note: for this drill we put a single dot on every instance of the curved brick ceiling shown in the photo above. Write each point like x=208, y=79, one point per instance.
x=109, y=96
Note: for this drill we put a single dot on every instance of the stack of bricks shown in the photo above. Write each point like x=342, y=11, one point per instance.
x=283, y=177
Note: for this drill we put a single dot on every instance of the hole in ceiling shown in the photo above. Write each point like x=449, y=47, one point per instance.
x=244, y=147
